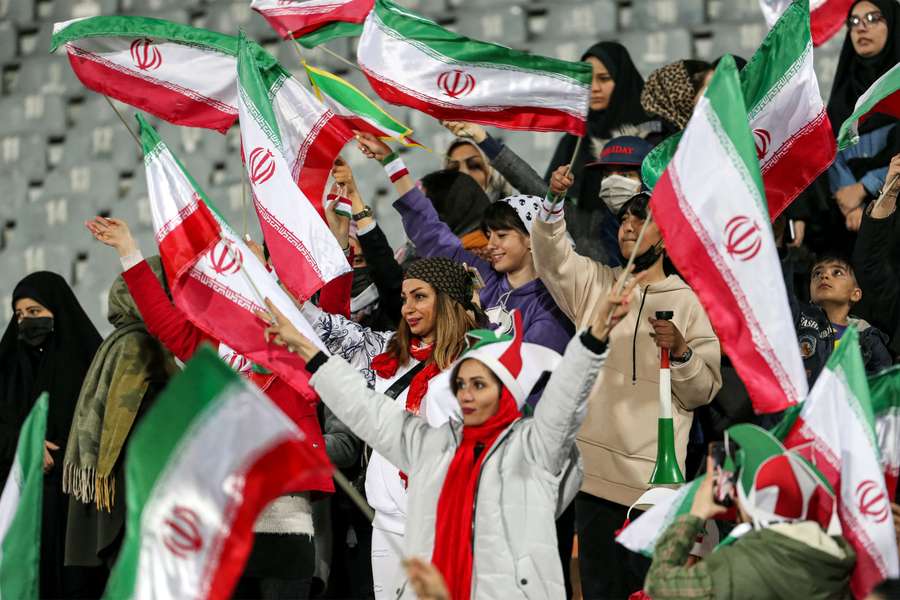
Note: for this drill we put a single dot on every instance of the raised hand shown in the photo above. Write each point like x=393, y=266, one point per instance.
x=561, y=180
x=282, y=332
x=371, y=146
x=472, y=131
x=113, y=233
x=616, y=305
x=343, y=176
x=338, y=224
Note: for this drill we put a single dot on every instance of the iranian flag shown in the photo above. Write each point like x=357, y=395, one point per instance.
x=192, y=499
x=412, y=61
x=181, y=74
x=313, y=22
x=835, y=430
x=826, y=16
x=355, y=108
x=885, y=391
x=882, y=98
x=305, y=253
x=20, y=510
x=792, y=134
x=214, y=277
x=724, y=247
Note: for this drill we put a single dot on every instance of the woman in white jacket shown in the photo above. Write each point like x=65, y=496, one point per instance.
x=483, y=493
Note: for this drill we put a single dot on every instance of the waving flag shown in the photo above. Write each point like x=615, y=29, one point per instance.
x=885, y=391
x=792, y=134
x=214, y=277
x=826, y=16
x=20, y=510
x=305, y=253
x=882, y=97
x=192, y=499
x=181, y=74
x=835, y=430
x=412, y=61
x=724, y=246
x=313, y=22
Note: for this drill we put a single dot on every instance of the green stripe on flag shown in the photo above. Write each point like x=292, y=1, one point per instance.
x=330, y=32
x=446, y=46
x=21, y=544
x=847, y=363
x=884, y=390
x=886, y=86
x=255, y=94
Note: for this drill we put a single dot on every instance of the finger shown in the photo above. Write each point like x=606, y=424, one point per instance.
x=52, y=446
x=279, y=316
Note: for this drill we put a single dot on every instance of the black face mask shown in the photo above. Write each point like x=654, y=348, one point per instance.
x=648, y=258
x=361, y=280
x=34, y=331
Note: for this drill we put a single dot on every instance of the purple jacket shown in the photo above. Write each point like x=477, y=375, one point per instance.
x=544, y=322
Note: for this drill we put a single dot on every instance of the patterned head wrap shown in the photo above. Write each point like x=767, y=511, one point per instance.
x=527, y=207
x=669, y=92
x=444, y=275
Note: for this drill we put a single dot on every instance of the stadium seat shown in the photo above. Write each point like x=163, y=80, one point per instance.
x=47, y=75
x=569, y=49
x=230, y=17
x=585, y=19
x=742, y=40
x=15, y=192
x=735, y=11
x=26, y=154
x=650, y=15
x=651, y=50
x=8, y=46
x=108, y=143
x=98, y=180
x=20, y=12
x=33, y=113
x=502, y=26
x=63, y=10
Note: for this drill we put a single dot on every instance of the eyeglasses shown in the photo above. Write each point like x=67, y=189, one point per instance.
x=855, y=21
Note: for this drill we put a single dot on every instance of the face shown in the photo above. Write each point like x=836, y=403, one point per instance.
x=26, y=308
x=868, y=39
x=602, y=84
x=508, y=249
x=466, y=159
x=477, y=392
x=706, y=79
x=633, y=174
x=629, y=229
x=831, y=282
x=359, y=260
x=418, y=310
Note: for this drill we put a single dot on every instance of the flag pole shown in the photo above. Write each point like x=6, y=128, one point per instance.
x=349, y=63
x=885, y=190
x=561, y=197
x=637, y=244
x=125, y=123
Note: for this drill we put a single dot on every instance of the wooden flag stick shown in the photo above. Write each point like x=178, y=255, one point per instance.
x=124, y=122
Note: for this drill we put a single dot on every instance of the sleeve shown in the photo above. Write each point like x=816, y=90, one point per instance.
x=695, y=382
x=517, y=172
x=874, y=271
x=668, y=577
x=573, y=280
x=341, y=445
x=873, y=181
x=164, y=320
x=563, y=406
x=382, y=423
x=351, y=341
x=432, y=236
x=387, y=274
x=553, y=330
x=839, y=173
x=334, y=296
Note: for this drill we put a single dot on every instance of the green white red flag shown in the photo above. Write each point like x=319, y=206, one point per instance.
x=215, y=279
x=883, y=97
x=826, y=16
x=20, y=510
x=835, y=430
x=305, y=253
x=792, y=134
x=724, y=247
x=313, y=22
x=885, y=392
x=412, y=61
x=181, y=74
x=192, y=499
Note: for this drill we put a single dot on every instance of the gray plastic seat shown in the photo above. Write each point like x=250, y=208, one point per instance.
x=742, y=40
x=8, y=41
x=47, y=75
x=108, y=143
x=15, y=191
x=134, y=209
x=585, y=19
x=735, y=11
x=33, y=113
x=651, y=15
x=505, y=25
x=98, y=180
x=230, y=17
x=651, y=50
x=24, y=154
x=63, y=10
x=570, y=49
x=36, y=43
x=20, y=12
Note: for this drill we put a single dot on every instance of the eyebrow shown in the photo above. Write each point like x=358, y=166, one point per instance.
x=414, y=290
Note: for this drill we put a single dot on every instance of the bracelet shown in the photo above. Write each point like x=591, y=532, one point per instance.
x=394, y=166
x=683, y=358
x=364, y=213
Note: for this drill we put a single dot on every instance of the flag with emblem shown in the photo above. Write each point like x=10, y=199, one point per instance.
x=826, y=16
x=883, y=97
x=724, y=247
x=305, y=253
x=412, y=61
x=313, y=22
x=835, y=429
x=791, y=131
x=215, y=279
x=192, y=499
x=20, y=510
x=355, y=108
x=181, y=74
x=885, y=391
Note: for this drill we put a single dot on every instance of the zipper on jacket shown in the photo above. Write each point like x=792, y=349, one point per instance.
x=637, y=324
x=500, y=439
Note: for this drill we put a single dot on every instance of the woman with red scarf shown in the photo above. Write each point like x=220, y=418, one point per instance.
x=436, y=312
x=484, y=489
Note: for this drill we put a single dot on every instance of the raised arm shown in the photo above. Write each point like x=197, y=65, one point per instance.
x=351, y=341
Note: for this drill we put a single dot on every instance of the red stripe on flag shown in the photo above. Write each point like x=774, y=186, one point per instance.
x=889, y=105
x=826, y=20
x=802, y=158
x=190, y=240
x=315, y=157
x=692, y=259
x=299, y=21
x=158, y=100
x=510, y=117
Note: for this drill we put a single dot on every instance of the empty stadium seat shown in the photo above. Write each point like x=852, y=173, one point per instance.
x=47, y=75
x=26, y=154
x=742, y=40
x=8, y=45
x=650, y=15
x=33, y=113
x=98, y=180
x=20, y=12
x=108, y=143
x=585, y=19
x=230, y=17
x=63, y=10
x=735, y=11
x=651, y=50
x=502, y=26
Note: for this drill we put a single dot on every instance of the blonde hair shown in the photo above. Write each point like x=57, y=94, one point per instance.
x=452, y=322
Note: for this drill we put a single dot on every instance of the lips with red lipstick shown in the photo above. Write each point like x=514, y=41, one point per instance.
x=468, y=411
x=413, y=321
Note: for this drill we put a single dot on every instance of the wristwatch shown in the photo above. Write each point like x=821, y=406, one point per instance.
x=683, y=358
x=364, y=213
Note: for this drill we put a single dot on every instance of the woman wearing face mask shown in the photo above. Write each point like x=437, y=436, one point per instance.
x=617, y=440
x=484, y=490
x=48, y=347
x=437, y=311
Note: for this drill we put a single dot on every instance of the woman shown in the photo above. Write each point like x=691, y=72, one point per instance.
x=485, y=490
x=870, y=49
x=437, y=312
x=672, y=91
x=460, y=201
x=47, y=347
x=129, y=369
x=467, y=156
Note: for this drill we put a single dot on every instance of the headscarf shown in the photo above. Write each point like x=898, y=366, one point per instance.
x=622, y=116
x=856, y=74
x=497, y=185
x=57, y=367
x=446, y=276
x=669, y=92
x=124, y=367
x=458, y=199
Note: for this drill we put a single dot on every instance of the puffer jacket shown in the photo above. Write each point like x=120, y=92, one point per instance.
x=529, y=476
x=619, y=437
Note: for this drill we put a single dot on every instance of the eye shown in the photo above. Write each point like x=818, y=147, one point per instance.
x=420, y=296
x=479, y=386
x=474, y=164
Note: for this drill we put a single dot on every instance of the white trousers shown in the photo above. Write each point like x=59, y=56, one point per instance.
x=386, y=563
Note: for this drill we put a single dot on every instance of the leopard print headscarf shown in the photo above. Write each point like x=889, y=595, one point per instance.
x=670, y=94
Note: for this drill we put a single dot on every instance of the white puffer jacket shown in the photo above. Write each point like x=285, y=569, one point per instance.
x=529, y=476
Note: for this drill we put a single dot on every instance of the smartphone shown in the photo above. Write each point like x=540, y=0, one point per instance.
x=723, y=480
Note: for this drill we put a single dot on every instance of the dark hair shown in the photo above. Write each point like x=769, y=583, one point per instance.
x=454, y=387
x=834, y=257
x=501, y=215
x=889, y=589
x=637, y=206
x=697, y=70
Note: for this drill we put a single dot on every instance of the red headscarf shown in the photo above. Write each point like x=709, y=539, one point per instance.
x=453, y=543
x=385, y=366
